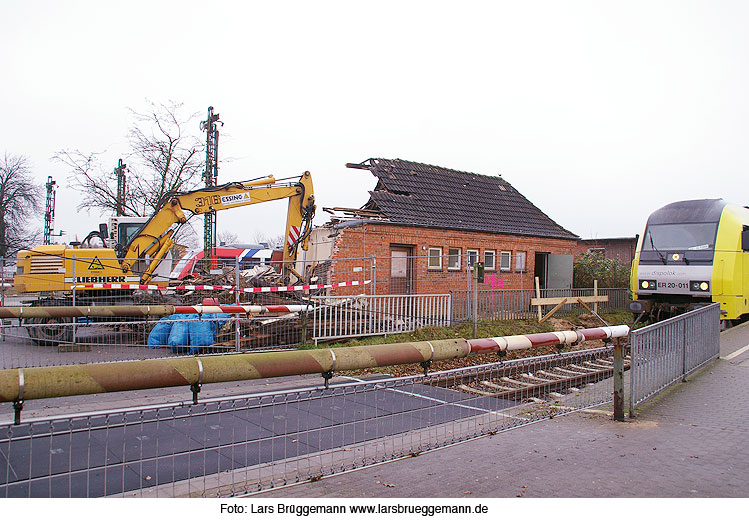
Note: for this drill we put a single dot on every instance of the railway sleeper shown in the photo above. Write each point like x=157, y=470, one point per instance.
x=517, y=382
x=496, y=386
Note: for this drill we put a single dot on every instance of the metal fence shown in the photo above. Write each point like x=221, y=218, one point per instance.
x=356, y=316
x=501, y=304
x=244, y=444
x=667, y=351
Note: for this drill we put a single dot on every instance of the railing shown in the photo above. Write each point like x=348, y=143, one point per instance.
x=244, y=444
x=666, y=352
x=355, y=316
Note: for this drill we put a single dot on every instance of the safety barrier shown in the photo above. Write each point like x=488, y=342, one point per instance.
x=667, y=351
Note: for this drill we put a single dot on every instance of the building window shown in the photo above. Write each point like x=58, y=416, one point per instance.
x=453, y=259
x=519, y=260
x=489, y=259
x=435, y=258
x=473, y=256
x=504, y=260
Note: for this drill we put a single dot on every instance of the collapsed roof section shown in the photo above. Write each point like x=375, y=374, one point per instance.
x=409, y=193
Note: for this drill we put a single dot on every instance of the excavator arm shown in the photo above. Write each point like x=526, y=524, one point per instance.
x=152, y=242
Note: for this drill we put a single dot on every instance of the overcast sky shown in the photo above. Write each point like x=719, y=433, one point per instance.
x=598, y=112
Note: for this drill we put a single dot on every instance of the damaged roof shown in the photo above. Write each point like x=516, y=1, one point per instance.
x=424, y=195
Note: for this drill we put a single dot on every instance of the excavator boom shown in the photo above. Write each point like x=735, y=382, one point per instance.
x=155, y=237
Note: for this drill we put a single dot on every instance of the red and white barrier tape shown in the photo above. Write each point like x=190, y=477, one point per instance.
x=128, y=286
x=239, y=309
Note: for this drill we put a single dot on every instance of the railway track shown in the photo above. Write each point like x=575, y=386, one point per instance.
x=553, y=377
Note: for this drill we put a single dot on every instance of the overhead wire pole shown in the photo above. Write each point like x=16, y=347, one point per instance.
x=119, y=171
x=210, y=176
x=49, y=211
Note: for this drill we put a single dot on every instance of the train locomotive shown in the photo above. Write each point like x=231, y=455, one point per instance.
x=693, y=253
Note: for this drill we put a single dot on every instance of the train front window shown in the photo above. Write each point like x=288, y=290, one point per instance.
x=686, y=236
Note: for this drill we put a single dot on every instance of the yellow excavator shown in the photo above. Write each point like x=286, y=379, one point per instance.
x=136, y=250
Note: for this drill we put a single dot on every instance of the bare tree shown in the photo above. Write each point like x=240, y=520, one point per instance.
x=164, y=156
x=273, y=241
x=227, y=238
x=20, y=199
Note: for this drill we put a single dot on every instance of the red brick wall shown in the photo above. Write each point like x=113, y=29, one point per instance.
x=354, y=244
x=621, y=249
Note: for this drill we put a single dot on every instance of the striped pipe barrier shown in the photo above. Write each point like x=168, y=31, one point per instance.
x=292, y=288
x=111, y=311
x=17, y=385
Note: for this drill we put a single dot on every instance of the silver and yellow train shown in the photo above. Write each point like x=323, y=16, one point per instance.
x=693, y=253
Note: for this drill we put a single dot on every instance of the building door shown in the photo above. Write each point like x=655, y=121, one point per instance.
x=559, y=274
x=542, y=268
x=401, y=269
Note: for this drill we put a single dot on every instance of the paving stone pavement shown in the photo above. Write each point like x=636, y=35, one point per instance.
x=690, y=441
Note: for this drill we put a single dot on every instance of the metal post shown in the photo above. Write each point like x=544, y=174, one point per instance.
x=2, y=281
x=374, y=273
x=618, y=380
x=2, y=292
x=237, y=331
x=74, y=292
x=475, y=310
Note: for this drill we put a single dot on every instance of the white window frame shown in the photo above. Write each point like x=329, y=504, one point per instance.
x=429, y=258
x=518, y=259
x=450, y=256
x=493, y=257
x=507, y=253
x=472, y=256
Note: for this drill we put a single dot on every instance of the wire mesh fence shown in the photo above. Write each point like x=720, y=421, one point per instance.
x=357, y=316
x=667, y=351
x=244, y=444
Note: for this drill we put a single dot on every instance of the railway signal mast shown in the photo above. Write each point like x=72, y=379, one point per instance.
x=119, y=171
x=49, y=211
x=210, y=176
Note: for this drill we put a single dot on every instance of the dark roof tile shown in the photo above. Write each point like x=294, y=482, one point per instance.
x=426, y=195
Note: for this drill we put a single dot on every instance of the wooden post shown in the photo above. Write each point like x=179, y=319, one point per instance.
x=538, y=295
x=595, y=293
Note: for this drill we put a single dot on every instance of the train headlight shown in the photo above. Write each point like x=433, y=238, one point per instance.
x=648, y=284
x=699, y=286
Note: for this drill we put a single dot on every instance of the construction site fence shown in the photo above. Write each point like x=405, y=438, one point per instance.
x=245, y=444
x=666, y=352
x=358, y=316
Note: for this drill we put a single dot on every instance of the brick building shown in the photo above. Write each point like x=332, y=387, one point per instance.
x=620, y=248
x=424, y=224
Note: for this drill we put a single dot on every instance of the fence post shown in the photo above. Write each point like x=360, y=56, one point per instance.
x=2, y=282
x=595, y=294
x=237, y=328
x=74, y=292
x=475, y=298
x=618, y=380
